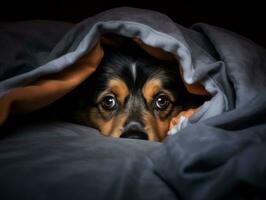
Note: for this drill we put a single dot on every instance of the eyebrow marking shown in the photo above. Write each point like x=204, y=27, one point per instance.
x=117, y=87
x=151, y=88
x=134, y=71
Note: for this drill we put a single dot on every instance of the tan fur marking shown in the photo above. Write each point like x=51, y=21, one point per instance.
x=117, y=125
x=114, y=126
x=150, y=126
x=118, y=87
x=151, y=88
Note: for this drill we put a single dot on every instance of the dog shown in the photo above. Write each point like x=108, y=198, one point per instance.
x=132, y=95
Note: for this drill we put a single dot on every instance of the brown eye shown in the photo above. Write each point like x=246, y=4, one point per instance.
x=161, y=102
x=109, y=103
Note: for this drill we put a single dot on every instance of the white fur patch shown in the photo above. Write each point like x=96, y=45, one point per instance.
x=183, y=121
x=134, y=71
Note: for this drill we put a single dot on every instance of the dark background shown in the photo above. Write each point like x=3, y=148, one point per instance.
x=245, y=18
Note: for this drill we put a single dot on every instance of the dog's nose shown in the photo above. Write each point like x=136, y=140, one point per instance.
x=134, y=130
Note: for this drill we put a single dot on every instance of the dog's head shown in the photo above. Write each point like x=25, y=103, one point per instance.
x=132, y=95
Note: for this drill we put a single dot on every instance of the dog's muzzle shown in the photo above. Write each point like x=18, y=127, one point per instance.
x=134, y=130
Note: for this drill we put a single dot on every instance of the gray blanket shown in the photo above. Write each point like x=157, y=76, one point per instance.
x=220, y=154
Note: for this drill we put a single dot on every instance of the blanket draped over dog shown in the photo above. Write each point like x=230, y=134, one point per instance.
x=220, y=154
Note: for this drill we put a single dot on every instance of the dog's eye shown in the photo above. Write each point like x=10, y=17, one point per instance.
x=161, y=102
x=109, y=102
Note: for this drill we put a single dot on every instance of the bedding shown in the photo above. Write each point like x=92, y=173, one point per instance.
x=217, y=154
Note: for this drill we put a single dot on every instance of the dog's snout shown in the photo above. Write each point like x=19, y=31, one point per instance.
x=134, y=130
x=133, y=126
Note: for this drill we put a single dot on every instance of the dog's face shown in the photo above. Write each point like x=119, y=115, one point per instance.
x=131, y=95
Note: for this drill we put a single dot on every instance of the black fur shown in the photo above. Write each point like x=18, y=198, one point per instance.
x=116, y=63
